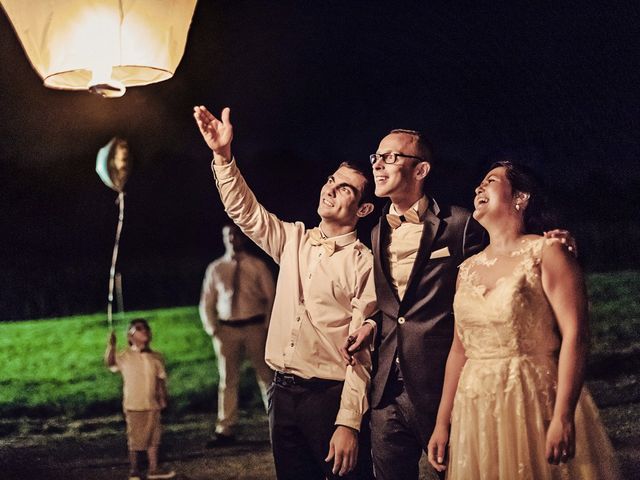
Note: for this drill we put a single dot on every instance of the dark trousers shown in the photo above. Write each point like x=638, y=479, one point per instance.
x=397, y=443
x=301, y=424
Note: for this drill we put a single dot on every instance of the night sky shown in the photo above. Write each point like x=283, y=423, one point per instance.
x=311, y=84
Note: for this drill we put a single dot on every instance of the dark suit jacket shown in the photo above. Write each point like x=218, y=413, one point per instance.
x=420, y=327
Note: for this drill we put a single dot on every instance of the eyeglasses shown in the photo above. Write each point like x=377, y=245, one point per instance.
x=391, y=157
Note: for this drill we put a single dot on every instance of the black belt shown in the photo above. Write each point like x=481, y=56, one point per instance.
x=243, y=322
x=290, y=380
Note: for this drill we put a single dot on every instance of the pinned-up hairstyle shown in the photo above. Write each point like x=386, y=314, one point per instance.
x=537, y=216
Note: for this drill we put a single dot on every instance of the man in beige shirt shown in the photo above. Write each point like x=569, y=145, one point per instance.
x=324, y=291
x=235, y=305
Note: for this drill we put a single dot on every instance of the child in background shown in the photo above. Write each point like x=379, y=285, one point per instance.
x=144, y=395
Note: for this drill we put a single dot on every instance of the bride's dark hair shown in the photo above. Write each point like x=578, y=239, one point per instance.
x=537, y=216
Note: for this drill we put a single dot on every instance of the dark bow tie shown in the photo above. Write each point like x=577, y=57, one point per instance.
x=410, y=216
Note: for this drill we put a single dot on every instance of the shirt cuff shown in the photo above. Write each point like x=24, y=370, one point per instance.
x=349, y=418
x=227, y=170
x=373, y=323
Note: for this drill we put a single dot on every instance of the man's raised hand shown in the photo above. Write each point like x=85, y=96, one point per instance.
x=216, y=133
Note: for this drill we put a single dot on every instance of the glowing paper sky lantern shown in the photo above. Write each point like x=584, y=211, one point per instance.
x=102, y=46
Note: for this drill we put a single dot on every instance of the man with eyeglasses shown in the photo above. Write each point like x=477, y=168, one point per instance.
x=417, y=246
x=324, y=292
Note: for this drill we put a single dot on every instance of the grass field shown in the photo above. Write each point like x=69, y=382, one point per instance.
x=615, y=311
x=55, y=366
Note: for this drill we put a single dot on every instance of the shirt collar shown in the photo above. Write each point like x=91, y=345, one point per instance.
x=134, y=348
x=420, y=207
x=341, y=240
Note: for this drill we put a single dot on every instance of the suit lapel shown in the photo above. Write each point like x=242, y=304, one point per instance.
x=431, y=224
x=384, y=289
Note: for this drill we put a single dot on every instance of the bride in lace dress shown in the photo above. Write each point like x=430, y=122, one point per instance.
x=513, y=389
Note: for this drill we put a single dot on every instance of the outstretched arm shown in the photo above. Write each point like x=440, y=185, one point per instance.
x=563, y=285
x=110, y=352
x=216, y=133
x=239, y=202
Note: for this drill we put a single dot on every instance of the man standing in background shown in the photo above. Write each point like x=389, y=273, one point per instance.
x=235, y=305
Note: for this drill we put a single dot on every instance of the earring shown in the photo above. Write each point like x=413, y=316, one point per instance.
x=517, y=206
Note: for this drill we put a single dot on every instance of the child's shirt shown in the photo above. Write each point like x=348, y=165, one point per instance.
x=140, y=373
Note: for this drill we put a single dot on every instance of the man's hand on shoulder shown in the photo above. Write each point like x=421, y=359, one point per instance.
x=343, y=450
x=565, y=238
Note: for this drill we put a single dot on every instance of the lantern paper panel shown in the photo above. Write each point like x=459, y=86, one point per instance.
x=74, y=44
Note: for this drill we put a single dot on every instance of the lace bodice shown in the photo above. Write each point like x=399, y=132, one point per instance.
x=511, y=319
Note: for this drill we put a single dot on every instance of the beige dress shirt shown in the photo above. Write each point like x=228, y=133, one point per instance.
x=254, y=296
x=320, y=297
x=402, y=247
x=140, y=373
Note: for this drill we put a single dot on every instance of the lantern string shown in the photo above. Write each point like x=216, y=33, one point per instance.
x=114, y=258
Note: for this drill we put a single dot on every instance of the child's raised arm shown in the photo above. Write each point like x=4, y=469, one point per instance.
x=110, y=353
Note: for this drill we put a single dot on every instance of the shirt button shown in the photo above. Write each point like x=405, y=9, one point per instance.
x=297, y=319
x=292, y=344
x=401, y=320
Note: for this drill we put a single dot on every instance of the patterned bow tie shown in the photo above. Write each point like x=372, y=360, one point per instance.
x=410, y=216
x=317, y=239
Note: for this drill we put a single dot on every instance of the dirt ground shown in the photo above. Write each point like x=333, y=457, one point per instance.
x=95, y=449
